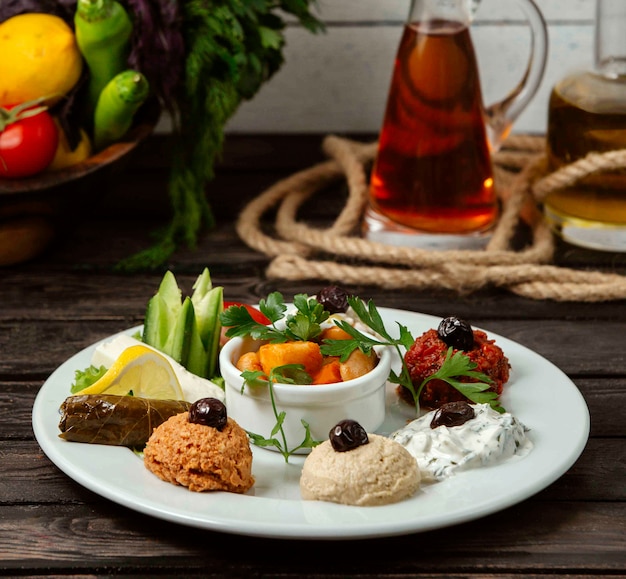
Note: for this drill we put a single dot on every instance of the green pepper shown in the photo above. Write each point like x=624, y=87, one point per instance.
x=119, y=101
x=103, y=34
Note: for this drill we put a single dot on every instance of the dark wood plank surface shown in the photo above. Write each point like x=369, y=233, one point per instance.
x=69, y=297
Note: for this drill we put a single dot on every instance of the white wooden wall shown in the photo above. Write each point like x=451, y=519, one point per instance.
x=337, y=81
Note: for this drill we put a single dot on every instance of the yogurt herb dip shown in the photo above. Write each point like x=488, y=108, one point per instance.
x=486, y=439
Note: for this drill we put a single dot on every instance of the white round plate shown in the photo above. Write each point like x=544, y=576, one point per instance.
x=538, y=393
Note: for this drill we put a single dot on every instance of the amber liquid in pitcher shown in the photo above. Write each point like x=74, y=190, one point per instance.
x=433, y=169
x=574, y=130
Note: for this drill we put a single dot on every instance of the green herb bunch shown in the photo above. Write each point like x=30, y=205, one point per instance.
x=305, y=324
x=231, y=47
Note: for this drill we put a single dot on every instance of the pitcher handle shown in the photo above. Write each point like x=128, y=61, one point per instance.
x=501, y=115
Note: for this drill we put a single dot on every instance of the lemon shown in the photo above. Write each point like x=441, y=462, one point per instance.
x=142, y=371
x=40, y=59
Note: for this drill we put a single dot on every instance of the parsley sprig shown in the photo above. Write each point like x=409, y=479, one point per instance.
x=287, y=374
x=457, y=364
x=304, y=324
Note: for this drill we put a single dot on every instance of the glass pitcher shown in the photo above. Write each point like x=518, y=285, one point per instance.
x=432, y=180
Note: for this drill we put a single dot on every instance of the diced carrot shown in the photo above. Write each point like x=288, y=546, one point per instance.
x=329, y=373
x=306, y=353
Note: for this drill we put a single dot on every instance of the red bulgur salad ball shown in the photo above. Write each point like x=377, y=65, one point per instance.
x=426, y=356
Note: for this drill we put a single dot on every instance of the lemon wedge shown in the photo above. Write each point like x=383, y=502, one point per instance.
x=142, y=371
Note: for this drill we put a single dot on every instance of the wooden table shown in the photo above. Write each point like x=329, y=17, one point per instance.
x=68, y=298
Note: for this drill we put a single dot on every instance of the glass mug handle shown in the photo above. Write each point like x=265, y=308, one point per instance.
x=499, y=116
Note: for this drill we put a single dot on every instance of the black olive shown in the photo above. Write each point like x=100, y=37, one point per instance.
x=208, y=412
x=347, y=435
x=456, y=333
x=452, y=414
x=334, y=299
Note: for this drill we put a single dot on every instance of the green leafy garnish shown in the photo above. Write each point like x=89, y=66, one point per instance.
x=302, y=325
x=87, y=377
x=459, y=365
x=305, y=324
x=287, y=374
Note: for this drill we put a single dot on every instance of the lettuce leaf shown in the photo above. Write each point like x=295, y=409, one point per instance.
x=87, y=377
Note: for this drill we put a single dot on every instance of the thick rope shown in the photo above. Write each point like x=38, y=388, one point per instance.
x=532, y=281
x=520, y=172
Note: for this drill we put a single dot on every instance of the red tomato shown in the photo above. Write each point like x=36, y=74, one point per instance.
x=257, y=316
x=27, y=144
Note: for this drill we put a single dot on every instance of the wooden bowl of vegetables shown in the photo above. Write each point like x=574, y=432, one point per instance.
x=33, y=209
x=102, y=163
x=72, y=110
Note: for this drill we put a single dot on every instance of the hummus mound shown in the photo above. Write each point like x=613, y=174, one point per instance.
x=378, y=473
x=200, y=457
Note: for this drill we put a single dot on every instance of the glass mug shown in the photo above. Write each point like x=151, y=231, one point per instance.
x=432, y=180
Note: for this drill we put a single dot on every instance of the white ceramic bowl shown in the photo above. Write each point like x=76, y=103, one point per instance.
x=321, y=406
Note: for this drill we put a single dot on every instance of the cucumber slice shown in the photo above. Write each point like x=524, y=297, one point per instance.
x=197, y=359
x=187, y=330
x=179, y=341
x=155, y=328
x=162, y=313
x=212, y=327
x=202, y=287
x=209, y=303
x=209, y=326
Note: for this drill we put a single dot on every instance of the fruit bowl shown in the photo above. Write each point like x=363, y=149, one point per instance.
x=32, y=208
x=321, y=406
